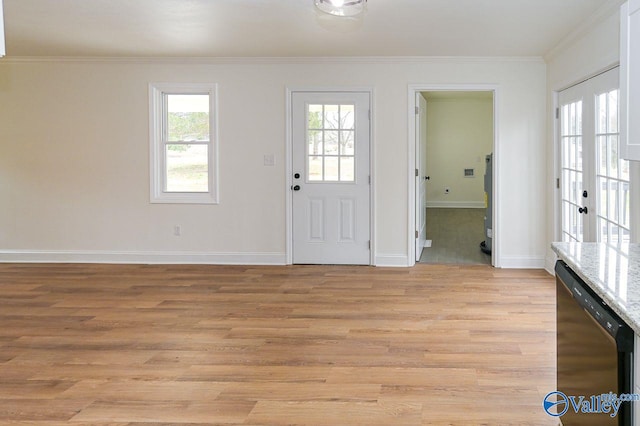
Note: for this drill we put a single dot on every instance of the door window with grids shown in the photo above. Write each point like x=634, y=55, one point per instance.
x=331, y=143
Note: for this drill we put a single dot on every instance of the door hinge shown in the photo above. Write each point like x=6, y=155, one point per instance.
x=369, y=179
x=417, y=110
x=417, y=234
x=369, y=244
x=369, y=112
x=557, y=113
x=558, y=183
x=417, y=173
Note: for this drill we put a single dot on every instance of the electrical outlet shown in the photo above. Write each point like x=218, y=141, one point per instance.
x=447, y=190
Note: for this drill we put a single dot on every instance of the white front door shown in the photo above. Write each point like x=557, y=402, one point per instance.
x=421, y=174
x=331, y=180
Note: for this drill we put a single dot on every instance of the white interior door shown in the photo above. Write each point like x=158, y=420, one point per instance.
x=421, y=174
x=331, y=177
x=595, y=195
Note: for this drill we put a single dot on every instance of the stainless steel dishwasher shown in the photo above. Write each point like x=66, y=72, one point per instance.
x=595, y=351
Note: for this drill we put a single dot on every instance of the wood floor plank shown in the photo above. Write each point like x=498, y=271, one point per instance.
x=269, y=345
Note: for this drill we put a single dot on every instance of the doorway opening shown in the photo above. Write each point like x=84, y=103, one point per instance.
x=454, y=199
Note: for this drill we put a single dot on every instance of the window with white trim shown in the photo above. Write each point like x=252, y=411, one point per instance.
x=183, y=143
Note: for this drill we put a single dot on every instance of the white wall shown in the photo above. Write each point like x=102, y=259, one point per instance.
x=74, y=171
x=459, y=136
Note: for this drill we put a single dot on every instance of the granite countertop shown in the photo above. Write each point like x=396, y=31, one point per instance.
x=613, y=273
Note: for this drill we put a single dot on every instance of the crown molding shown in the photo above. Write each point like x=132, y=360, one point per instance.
x=273, y=60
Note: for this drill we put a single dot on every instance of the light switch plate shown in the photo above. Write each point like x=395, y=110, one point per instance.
x=269, y=160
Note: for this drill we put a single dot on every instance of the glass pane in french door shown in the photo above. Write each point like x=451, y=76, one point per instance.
x=571, y=171
x=612, y=174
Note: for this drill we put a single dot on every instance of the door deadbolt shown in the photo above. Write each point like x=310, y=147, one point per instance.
x=297, y=175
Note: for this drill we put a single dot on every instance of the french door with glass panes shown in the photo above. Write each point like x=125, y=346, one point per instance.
x=594, y=180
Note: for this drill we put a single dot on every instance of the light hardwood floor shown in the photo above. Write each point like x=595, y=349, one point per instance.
x=334, y=345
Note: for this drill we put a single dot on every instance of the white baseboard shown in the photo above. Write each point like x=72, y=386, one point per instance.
x=550, y=264
x=456, y=204
x=522, y=262
x=60, y=256
x=393, y=260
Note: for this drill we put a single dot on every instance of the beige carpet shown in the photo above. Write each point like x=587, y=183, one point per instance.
x=455, y=236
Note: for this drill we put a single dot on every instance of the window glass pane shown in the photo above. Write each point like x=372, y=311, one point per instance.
x=566, y=183
x=601, y=113
x=579, y=153
x=613, y=112
x=613, y=160
x=187, y=168
x=572, y=119
x=601, y=230
x=615, y=233
x=347, y=169
x=565, y=120
x=347, y=116
x=602, y=155
x=315, y=117
x=331, y=168
x=613, y=200
x=187, y=118
x=331, y=143
x=331, y=117
x=347, y=143
x=572, y=153
x=566, y=217
x=579, y=225
x=315, y=169
x=315, y=142
x=579, y=188
x=604, y=233
x=578, y=112
x=572, y=186
x=602, y=197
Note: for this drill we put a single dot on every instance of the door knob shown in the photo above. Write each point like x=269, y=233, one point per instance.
x=296, y=188
x=583, y=210
x=427, y=177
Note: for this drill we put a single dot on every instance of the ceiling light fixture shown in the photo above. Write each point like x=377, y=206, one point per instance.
x=344, y=8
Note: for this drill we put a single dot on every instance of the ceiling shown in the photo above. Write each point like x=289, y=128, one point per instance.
x=289, y=28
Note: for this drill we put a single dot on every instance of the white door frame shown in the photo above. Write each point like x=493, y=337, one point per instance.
x=289, y=164
x=411, y=166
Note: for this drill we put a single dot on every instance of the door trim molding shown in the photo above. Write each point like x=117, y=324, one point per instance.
x=289, y=91
x=496, y=259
